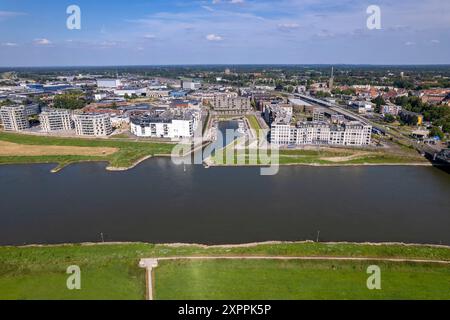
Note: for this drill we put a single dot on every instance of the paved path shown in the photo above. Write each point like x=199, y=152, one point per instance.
x=150, y=264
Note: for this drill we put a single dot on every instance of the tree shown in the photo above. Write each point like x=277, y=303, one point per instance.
x=70, y=100
x=389, y=118
x=436, y=132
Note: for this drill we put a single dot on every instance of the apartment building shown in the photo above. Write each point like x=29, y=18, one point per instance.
x=98, y=125
x=14, y=118
x=229, y=104
x=321, y=133
x=56, y=120
x=171, y=124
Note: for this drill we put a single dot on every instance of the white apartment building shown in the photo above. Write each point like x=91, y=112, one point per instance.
x=98, y=125
x=391, y=109
x=321, y=133
x=56, y=120
x=171, y=124
x=14, y=118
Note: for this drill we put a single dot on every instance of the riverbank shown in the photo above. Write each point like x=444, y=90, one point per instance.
x=321, y=156
x=120, y=155
x=111, y=271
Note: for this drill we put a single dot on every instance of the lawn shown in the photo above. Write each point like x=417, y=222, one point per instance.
x=327, y=156
x=128, y=153
x=293, y=280
x=112, y=272
x=254, y=123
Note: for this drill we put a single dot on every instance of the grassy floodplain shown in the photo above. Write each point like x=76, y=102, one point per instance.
x=111, y=272
x=326, y=156
x=128, y=154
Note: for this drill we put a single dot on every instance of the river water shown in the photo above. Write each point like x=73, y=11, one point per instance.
x=160, y=202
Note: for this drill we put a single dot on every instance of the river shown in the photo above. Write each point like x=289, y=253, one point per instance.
x=160, y=202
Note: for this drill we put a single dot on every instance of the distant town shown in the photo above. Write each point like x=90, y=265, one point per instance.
x=342, y=106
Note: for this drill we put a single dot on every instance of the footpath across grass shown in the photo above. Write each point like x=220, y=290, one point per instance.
x=111, y=271
x=129, y=152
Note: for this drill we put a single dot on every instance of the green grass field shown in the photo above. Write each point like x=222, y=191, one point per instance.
x=112, y=272
x=296, y=280
x=324, y=157
x=129, y=152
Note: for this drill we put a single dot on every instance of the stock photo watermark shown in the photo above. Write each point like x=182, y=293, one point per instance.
x=74, y=280
x=74, y=20
x=374, y=280
x=374, y=19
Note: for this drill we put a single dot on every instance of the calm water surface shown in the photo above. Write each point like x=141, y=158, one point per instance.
x=161, y=202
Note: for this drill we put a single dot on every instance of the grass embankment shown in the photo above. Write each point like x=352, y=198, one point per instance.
x=293, y=280
x=326, y=156
x=112, y=272
x=128, y=152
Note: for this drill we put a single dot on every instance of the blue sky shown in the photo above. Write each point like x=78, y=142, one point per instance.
x=153, y=32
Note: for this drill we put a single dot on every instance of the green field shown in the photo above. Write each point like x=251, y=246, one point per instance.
x=254, y=123
x=296, y=280
x=129, y=152
x=324, y=157
x=112, y=272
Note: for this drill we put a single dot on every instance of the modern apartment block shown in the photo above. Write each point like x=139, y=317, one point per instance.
x=228, y=104
x=56, y=120
x=14, y=118
x=352, y=133
x=98, y=125
x=171, y=124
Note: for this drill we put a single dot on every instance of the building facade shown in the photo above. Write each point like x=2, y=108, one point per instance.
x=228, y=104
x=98, y=125
x=56, y=120
x=14, y=118
x=108, y=83
x=352, y=133
x=168, y=124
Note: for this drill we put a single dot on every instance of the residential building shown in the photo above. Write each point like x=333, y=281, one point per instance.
x=321, y=133
x=228, y=104
x=171, y=124
x=319, y=114
x=32, y=109
x=391, y=109
x=56, y=120
x=14, y=118
x=89, y=124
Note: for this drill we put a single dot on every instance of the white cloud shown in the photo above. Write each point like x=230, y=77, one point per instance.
x=435, y=41
x=288, y=26
x=42, y=42
x=10, y=14
x=213, y=37
x=410, y=43
x=9, y=44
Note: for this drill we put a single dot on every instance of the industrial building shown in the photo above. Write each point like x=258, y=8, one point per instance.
x=14, y=118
